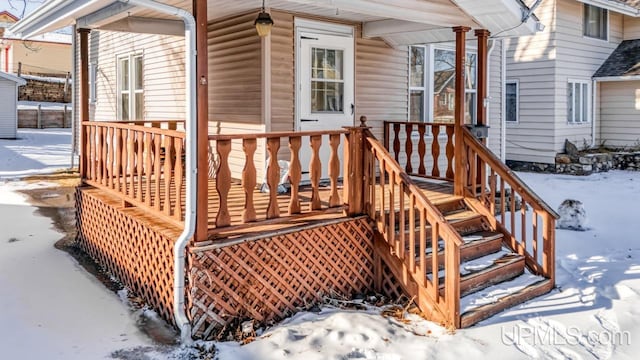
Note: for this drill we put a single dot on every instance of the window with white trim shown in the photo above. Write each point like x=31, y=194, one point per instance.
x=595, y=22
x=512, y=101
x=130, y=87
x=578, y=101
x=432, y=85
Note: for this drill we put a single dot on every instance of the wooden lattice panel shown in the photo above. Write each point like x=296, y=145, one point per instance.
x=390, y=286
x=139, y=254
x=269, y=279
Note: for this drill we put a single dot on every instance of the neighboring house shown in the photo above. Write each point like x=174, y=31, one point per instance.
x=9, y=105
x=576, y=80
x=317, y=90
x=47, y=54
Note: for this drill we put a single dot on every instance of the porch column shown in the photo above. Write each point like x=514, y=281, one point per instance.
x=461, y=54
x=483, y=39
x=84, y=97
x=202, y=210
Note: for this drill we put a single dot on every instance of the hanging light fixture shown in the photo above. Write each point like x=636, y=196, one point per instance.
x=263, y=22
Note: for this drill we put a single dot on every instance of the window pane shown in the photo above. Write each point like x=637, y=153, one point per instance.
x=327, y=96
x=470, y=72
x=124, y=74
x=577, y=97
x=326, y=64
x=585, y=102
x=417, y=66
x=138, y=72
x=595, y=22
x=417, y=106
x=443, y=85
x=139, y=106
x=511, y=106
x=470, y=108
x=570, y=102
x=124, y=106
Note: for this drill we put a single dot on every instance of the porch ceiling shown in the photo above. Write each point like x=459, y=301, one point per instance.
x=399, y=22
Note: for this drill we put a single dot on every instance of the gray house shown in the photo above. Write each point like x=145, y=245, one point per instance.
x=579, y=79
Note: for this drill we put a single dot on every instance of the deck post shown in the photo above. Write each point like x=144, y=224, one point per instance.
x=354, y=168
x=461, y=55
x=482, y=36
x=202, y=212
x=84, y=98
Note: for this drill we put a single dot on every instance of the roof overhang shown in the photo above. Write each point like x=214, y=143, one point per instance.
x=17, y=80
x=614, y=6
x=403, y=22
x=617, y=78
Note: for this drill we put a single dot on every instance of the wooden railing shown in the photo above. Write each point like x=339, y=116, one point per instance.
x=142, y=165
x=493, y=190
x=422, y=149
x=245, y=145
x=412, y=227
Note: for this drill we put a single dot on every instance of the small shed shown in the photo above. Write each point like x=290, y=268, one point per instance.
x=9, y=104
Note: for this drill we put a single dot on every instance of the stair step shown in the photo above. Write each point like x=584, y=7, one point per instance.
x=452, y=204
x=486, y=271
x=476, y=245
x=492, y=300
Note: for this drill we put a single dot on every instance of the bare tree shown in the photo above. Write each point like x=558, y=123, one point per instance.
x=21, y=6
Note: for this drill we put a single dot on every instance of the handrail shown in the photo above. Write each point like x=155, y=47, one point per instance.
x=411, y=225
x=275, y=135
x=504, y=172
x=129, y=126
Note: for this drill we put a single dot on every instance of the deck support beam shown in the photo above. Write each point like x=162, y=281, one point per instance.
x=461, y=55
x=84, y=97
x=202, y=220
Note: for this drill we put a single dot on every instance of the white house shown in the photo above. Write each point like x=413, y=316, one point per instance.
x=9, y=104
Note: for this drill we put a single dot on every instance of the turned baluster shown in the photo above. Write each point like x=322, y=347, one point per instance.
x=435, y=151
x=140, y=163
x=178, y=183
x=157, y=142
x=148, y=167
x=334, y=170
x=223, y=182
x=249, y=180
x=118, y=159
x=408, y=147
x=315, y=171
x=396, y=142
x=450, y=152
x=295, y=174
x=422, y=149
x=168, y=173
x=273, y=177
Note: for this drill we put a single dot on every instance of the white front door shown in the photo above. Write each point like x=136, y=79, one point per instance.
x=324, y=89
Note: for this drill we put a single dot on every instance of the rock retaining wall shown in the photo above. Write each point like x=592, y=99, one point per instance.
x=583, y=164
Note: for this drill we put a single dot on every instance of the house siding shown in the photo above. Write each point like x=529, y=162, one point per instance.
x=532, y=61
x=631, y=28
x=494, y=91
x=619, y=113
x=578, y=58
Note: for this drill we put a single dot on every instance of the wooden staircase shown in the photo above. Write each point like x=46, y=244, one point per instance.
x=463, y=256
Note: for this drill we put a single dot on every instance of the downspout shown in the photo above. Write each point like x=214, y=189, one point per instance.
x=503, y=100
x=74, y=132
x=191, y=161
x=594, y=98
x=486, y=101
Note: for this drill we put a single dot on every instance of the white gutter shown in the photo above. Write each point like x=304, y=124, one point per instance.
x=486, y=102
x=74, y=132
x=617, y=78
x=191, y=164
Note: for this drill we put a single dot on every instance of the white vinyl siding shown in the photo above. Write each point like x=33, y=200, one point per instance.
x=595, y=22
x=619, y=121
x=8, y=109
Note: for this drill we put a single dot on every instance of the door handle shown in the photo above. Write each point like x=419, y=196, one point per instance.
x=308, y=120
x=353, y=108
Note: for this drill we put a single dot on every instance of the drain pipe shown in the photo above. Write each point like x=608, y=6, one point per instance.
x=191, y=145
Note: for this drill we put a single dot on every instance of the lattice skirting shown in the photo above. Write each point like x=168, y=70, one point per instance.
x=270, y=279
x=137, y=253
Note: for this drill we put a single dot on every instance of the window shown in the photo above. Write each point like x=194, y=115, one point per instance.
x=511, y=106
x=578, y=96
x=595, y=22
x=93, y=69
x=417, y=83
x=432, y=85
x=327, y=82
x=130, y=88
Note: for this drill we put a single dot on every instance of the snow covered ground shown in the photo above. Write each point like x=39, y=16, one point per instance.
x=50, y=308
x=35, y=151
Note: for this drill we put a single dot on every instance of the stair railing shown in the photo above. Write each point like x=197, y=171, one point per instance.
x=414, y=230
x=526, y=221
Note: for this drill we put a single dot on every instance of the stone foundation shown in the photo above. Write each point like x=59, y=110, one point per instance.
x=582, y=164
